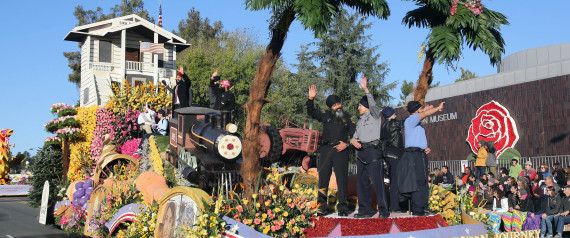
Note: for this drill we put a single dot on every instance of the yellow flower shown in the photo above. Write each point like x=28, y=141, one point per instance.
x=254, y=196
x=245, y=202
x=257, y=205
x=285, y=214
x=277, y=210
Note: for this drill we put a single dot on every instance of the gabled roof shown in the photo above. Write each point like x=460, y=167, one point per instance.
x=130, y=22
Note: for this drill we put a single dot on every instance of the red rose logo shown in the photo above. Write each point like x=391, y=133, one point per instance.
x=493, y=123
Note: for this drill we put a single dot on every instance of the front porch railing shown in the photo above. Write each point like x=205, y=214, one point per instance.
x=101, y=67
x=139, y=66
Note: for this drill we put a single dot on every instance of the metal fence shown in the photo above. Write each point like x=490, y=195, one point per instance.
x=455, y=165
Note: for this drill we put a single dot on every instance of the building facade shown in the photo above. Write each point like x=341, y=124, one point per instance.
x=532, y=85
x=110, y=52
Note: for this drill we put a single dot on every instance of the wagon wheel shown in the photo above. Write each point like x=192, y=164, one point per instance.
x=97, y=198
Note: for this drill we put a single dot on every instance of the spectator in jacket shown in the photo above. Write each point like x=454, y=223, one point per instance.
x=437, y=177
x=525, y=204
x=515, y=169
x=446, y=176
x=559, y=174
x=503, y=176
x=563, y=217
x=471, y=181
x=545, y=170
x=549, y=181
x=225, y=99
x=146, y=119
x=181, y=94
x=552, y=207
x=528, y=170
x=480, y=162
x=491, y=161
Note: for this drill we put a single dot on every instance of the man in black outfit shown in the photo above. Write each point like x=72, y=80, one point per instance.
x=224, y=99
x=393, y=142
x=181, y=94
x=337, y=126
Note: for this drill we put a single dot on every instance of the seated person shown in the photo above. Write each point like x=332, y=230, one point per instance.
x=563, y=217
x=514, y=218
x=500, y=205
x=551, y=210
x=146, y=119
x=161, y=129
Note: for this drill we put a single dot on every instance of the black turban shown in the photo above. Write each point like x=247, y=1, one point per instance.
x=332, y=100
x=413, y=106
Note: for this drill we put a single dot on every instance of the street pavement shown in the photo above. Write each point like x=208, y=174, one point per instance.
x=18, y=220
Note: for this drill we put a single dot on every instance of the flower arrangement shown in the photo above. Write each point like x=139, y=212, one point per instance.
x=275, y=209
x=156, y=160
x=80, y=160
x=130, y=147
x=444, y=203
x=474, y=6
x=61, y=122
x=125, y=96
x=68, y=132
x=210, y=223
x=66, y=111
x=55, y=107
x=144, y=223
x=52, y=140
x=74, y=223
x=120, y=127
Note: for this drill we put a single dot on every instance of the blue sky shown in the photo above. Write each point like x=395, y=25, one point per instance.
x=34, y=71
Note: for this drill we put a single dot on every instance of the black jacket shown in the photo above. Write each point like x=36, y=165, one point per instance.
x=552, y=205
x=565, y=204
x=391, y=134
x=513, y=200
x=526, y=205
x=334, y=129
x=182, y=89
x=447, y=178
x=225, y=100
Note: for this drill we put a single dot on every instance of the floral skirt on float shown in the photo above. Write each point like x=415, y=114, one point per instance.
x=495, y=219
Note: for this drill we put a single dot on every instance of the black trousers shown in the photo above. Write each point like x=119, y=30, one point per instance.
x=369, y=167
x=417, y=163
x=330, y=159
x=394, y=190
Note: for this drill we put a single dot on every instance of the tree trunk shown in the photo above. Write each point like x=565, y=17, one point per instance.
x=65, y=158
x=251, y=166
x=423, y=83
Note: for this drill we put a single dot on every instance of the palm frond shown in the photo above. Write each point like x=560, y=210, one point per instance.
x=377, y=8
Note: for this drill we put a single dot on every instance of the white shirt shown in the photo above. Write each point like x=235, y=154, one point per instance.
x=504, y=205
x=146, y=118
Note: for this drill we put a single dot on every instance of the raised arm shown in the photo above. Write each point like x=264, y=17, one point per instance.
x=374, y=110
x=430, y=110
x=313, y=113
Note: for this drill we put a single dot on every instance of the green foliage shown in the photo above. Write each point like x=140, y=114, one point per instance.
x=74, y=59
x=448, y=33
x=194, y=29
x=317, y=15
x=169, y=174
x=406, y=89
x=47, y=167
x=343, y=54
x=465, y=75
x=234, y=57
x=162, y=142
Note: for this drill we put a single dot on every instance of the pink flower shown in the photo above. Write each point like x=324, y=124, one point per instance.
x=257, y=221
x=63, y=220
x=273, y=228
x=257, y=214
x=239, y=208
x=302, y=216
x=292, y=221
x=281, y=222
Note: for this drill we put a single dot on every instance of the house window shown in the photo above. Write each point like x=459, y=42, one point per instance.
x=138, y=82
x=85, y=96
x=105, y=51
x=160, y=60
x=132, y=54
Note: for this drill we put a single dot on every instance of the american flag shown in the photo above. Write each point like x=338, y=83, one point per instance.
x=160, y=15
x=155, y=48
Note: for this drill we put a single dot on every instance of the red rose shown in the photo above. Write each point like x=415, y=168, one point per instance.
x=493, y=123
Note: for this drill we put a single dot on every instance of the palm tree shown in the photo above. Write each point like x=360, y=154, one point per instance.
x=314, y=15
x=452, y=24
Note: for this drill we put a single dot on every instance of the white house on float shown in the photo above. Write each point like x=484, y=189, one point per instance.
x=110, y=52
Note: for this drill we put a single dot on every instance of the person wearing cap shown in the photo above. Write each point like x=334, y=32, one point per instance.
x=337, y=127
x=369, y=164
x=160, y=129
x=181, y=94
x=528, y=170
x=222, y=91
x=552, y=207
x=563, y=217
x=393, y=144
x=413, y=166
x=481, y=160
x=515, y=169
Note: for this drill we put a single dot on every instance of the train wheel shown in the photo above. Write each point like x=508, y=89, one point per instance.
x=271, y=144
